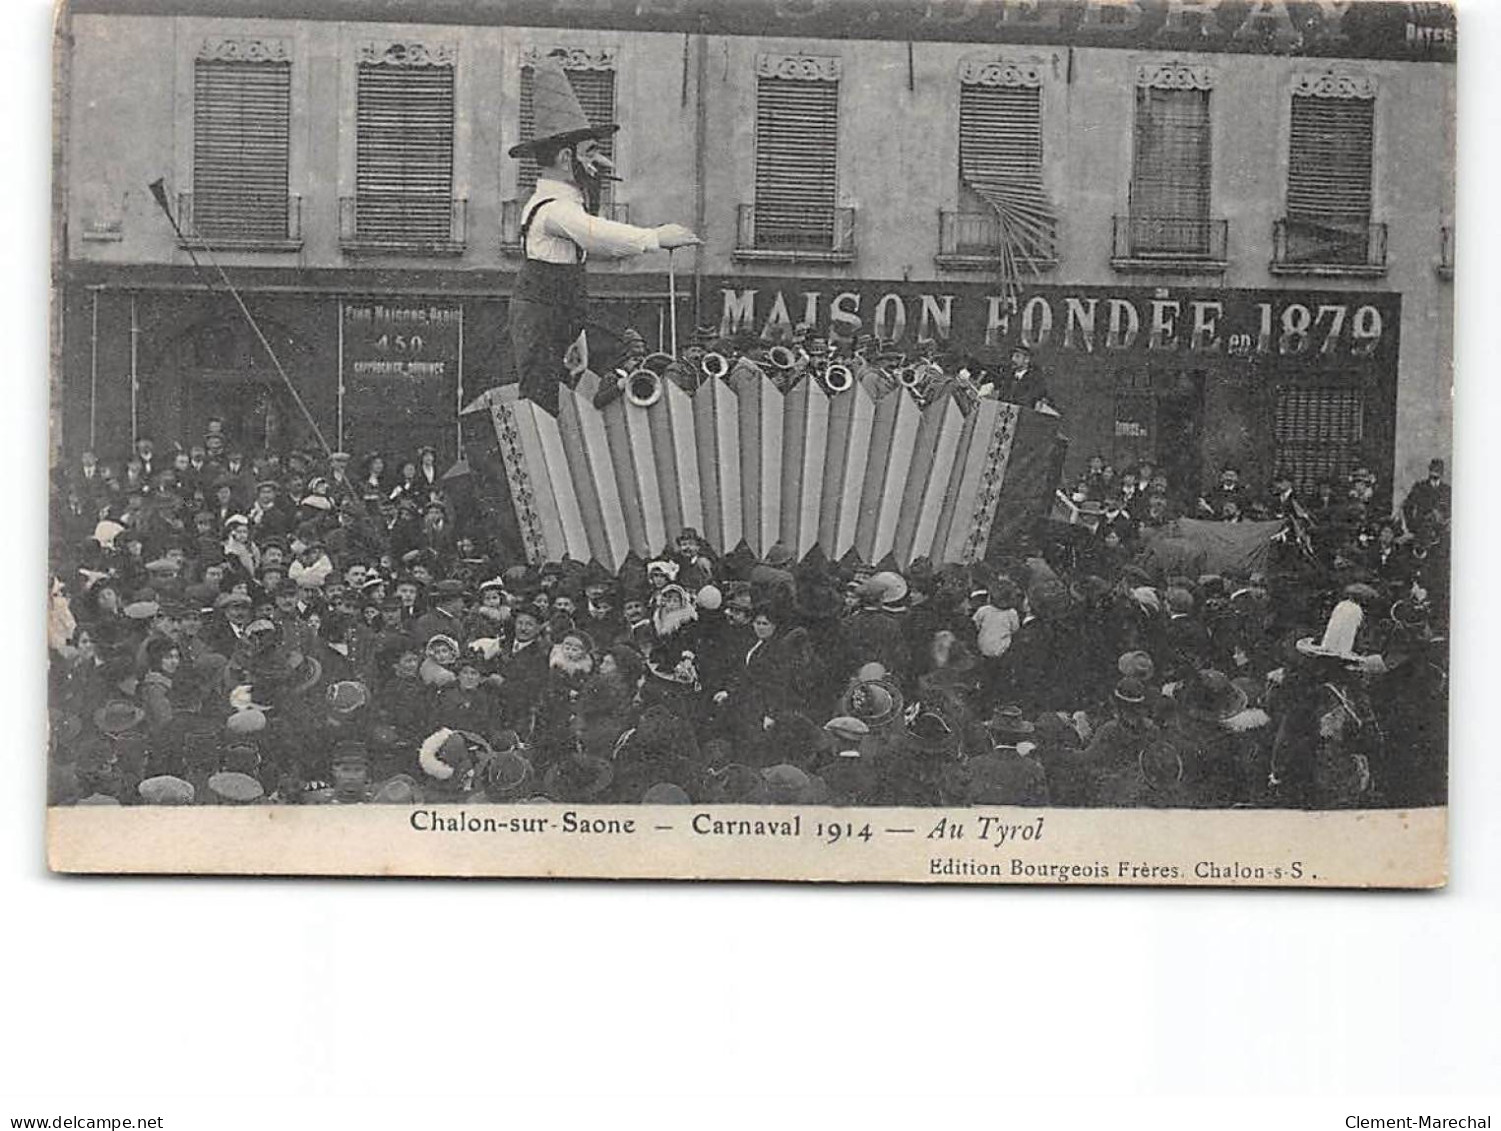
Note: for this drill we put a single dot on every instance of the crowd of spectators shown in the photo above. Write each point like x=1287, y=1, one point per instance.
x=229, y=627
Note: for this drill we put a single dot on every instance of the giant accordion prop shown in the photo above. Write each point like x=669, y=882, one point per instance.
x=868, y=471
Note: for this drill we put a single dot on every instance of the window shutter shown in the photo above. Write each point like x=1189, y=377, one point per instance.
x=1329, y=162
x=241, y=112
x=404, y=152
x=1000, y=161
x=1000, y=133
x=1320, y=434
x=595, y=89
x=1171, y=163
x=797, y=149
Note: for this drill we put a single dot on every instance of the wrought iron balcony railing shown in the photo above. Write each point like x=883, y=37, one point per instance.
x=1170, y=243
x=245, y=221
x=510, y=221
x=402, y=224
x=975, y=241
x=791, y=235
x=1328, y=245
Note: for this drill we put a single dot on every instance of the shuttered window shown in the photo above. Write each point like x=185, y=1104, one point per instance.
x=1000, y=171
x=797, y=149
x=404, y=153
x=1170, y=170
x=1320, y=434
x=241, y=112
x=1329, y=182
x=595, y=88
x=1000, y=134
x=1329, y=165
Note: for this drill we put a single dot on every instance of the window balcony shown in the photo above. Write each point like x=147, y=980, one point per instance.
x=240, y=221
x=510, y=222
x=795, y=235
x=402, y=224
x=1446, y=252
x=1188, y=245
x=972, y=241
x=1327, y=245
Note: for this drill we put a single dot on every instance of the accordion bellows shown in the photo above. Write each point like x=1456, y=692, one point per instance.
x=868, y=471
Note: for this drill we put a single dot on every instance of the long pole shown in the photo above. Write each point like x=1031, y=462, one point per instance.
x=672, y=301
x=700, y=169
x=458, y=422
x=94, y=372
x=135, y=383
x=339, y=390
x=160, y=193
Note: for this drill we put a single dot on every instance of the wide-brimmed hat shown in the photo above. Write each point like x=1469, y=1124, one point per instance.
x=1212, y=696
x=347, y=696
x=556, y=112
x=165, y=789
x=306, y=675
x=739, y=597
x=1412, y=619
x=235, y=789
x=399, y=790
x=507, y=775
x=117, y=716
x=886, y=588
x=1339, y=634
x=786, y=784
x=875, y=702
x=847, y=727
x=931, y=733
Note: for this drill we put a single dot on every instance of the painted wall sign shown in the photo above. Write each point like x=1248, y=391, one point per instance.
x=1158, y=322
x=400, y=374
x=1370, y=29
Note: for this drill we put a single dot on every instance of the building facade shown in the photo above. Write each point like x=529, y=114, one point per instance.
x=1225, y=228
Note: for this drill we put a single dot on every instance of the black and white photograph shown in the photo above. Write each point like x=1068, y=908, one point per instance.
x=643, y=439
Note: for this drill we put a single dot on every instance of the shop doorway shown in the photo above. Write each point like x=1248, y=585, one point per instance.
x=1180, y=424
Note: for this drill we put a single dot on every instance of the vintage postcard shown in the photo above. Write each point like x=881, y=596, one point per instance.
x=934, y=441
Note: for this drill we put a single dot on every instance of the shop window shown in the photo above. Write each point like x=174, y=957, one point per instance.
x=795, y=208
x=241, y=115
x=1320, y=434
x=404, y=153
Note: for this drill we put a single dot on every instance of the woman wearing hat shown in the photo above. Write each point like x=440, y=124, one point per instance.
x=429, y=476
x=407, y=485
x=549, y=309
x=155, y=691
x=764, y=689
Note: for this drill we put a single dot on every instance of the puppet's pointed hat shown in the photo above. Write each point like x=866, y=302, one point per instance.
x=556, y=111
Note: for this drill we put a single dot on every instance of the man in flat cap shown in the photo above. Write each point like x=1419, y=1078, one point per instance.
x=549, y=310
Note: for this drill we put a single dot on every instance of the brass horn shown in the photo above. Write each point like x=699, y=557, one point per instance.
x=780, y=357
x=643, y=388
x=714, y=365
x=908, y=376
x=838, y=378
